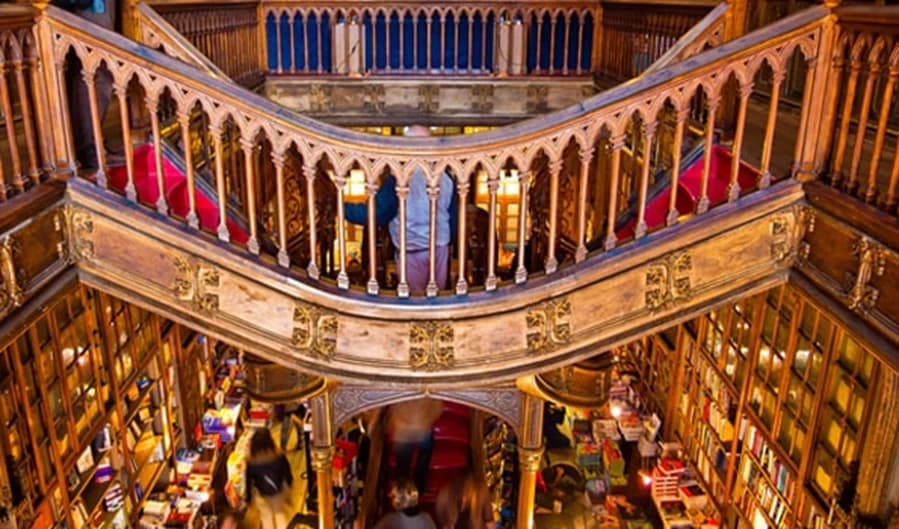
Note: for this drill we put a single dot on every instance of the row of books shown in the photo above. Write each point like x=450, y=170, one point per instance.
x=763, y=493
x=778, y=473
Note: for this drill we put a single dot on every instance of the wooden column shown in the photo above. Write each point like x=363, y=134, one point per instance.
x=57, y=103
x=278, y=159
x=492, y=189
x=530, y=451
x=586, y=156
x=322, y=452
x=371, y=188
x=521, y=272
x=402, y=195
x=823, y=71
x=617, y=143
x=462, y=185
x=733, y=188
x=551, y=264
x=880, y=448
x=309, y=171
x=649, y=130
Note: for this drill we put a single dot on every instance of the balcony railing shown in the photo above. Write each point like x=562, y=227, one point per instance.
x=578, y=173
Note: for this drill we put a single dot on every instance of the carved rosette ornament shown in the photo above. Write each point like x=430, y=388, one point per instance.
x=192, y=285
x=314, y=331
x=76, y=225
x=548, y=326
x=668, y=281
x=10, y=292
x=861, y=296
x=431, y=345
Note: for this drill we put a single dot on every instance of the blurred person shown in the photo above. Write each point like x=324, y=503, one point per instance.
x=418, y=224
x=465, y=504
x=292, y=418
x=410, y=425
x=407, y=514
x=269, y=481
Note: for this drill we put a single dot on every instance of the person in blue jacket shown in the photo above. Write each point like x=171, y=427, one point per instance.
x=417, y=222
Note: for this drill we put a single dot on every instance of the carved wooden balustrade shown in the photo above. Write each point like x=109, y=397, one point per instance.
x=586, y=146
x=25, y=159
x=635, y=36
x=862, y=125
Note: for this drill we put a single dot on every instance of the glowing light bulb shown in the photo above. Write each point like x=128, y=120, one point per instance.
x=616, y=411
x=645, y=478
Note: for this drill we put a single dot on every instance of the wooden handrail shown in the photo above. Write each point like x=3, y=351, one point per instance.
x=155, y=32
x=708, y=32
x=596, y=131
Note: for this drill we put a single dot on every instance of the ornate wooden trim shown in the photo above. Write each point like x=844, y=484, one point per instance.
x=431, y=345
x=314, y=331
x=548, y=326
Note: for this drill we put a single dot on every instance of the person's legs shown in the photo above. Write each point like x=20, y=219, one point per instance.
x=441, y=272
x=403, y=452
x=423, y=463
x=417, y=271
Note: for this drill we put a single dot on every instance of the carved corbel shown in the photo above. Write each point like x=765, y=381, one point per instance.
x=548, y=326
x=861, y=296
x=314, y=331
x=431, y=345
x=11, y=295
x=804, y=226
x=76, y=225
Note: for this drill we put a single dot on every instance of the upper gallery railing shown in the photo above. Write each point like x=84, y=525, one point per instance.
x=862, y=114
x=583, y=167
x=705, y=34
x=533, y=37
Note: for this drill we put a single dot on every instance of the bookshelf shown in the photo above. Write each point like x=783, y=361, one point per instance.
x=766, y=480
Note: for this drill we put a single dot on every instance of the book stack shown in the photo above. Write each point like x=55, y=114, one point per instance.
x=114, y=497
x=104, y=472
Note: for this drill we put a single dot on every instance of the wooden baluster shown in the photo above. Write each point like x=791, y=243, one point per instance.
x=24, y=104
x=649, y=130
x=216, y=130
x=798, y=170
x=306, y=40
x=484, y=41
x=886, y=105
x=539, y=49
x=402, y=194
x=712, y=104
x=855, y=67
x=371, y=188
x=565, y=45
x=414, y=41
x=433, y=193
x=862, y=128
x=121, y=90
x=428, y=64
x=524, y=178
x=41, y=110
x=89, y=75
x=372, y=44
x=278, y=159
x=184, y=122
x=586, y=156
x=457, y=19
x=309, y=171
x=462, y=185
x=152, y=101
x=768, y=143
x=492, y=188
x=387, y=20
x=470, y=38
x=442, y=40
x=617, y=142
x=733, y=188
x=343, y=280
x=278, y=40
x=292, y=27
x=580, y=43
x=320, y=46
x=681, y=115
x=551, y=263
x=891, y=200
x=246, y=144
x=553, y=23
x=11, y=136
x=401, y=31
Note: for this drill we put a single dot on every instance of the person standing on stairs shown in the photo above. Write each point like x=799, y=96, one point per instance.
x=407, y=514
x=465, y=504
x=102, y=13
x=410, y=426
x=418, y=225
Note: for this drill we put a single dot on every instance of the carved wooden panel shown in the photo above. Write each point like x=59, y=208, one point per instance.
x=464, y=101
x=481, y=337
